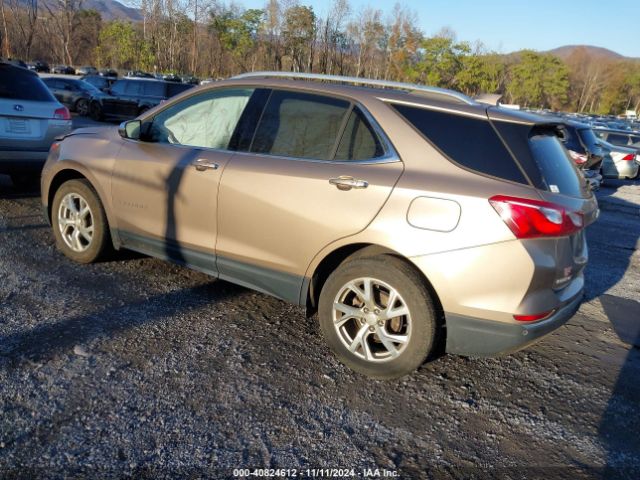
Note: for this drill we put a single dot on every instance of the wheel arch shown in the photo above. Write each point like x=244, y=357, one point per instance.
x=73, y=172
x=331, y=261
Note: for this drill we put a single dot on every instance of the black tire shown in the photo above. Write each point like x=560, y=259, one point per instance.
x=414, y=295
x=82, y=107
x=100, y=243
x=95, y=111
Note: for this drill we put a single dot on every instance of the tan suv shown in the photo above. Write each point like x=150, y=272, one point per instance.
x=408, y=217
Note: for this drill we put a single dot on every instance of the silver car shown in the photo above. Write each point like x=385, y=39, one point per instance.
x=30, y=119
x=619, y=162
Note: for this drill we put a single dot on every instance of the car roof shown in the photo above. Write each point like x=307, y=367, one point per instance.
x=441, y=99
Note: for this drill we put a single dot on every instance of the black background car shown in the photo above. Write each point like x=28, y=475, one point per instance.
x=38, y=66
x=64, y=69
x=72, y=93
x=129, y=97
x=86, y=70
x=583, y=145
x=108, y=72
x=100, y=82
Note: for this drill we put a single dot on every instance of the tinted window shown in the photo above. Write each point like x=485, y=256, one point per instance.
x=207, y=120
x=300, y=125
x=588, y=138
x=617, y=139
x=153, y=89
x=118, y=87
x=176, y=88
x=468, y=141
x=557, y=168
x=571, y=140
x=18, y=84
x=359, y=141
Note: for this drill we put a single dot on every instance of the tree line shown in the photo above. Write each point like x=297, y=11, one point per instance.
x=211, y=38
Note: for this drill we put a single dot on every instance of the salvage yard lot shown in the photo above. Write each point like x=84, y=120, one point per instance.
x=137, y=367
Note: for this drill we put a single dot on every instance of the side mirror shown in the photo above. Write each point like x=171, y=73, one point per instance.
x=130, y=129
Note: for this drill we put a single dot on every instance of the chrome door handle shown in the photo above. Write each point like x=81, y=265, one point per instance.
x=201, y=165
x=347, y=183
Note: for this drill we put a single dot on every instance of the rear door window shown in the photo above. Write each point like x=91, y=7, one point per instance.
x=618, y=139
x=18, y=84
x=301, y=125
x=467, y=141
x=359, y=141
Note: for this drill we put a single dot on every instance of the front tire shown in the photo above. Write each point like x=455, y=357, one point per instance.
x=378, y=317
x=79, y=222
x=95, y=111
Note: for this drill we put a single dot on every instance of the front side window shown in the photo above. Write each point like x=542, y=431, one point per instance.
x=132, y=88
x=207, y=120
x=300, y=125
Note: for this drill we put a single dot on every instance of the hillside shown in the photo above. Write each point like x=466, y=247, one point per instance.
x=592, y=51
x=111, y=9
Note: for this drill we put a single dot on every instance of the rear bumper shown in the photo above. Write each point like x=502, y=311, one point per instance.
x=12, y=161
x=482, y=338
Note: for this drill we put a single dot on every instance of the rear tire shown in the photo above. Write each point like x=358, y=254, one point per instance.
x=366, y=332
x=82, y=107
x=79, y=222
x=95, y=111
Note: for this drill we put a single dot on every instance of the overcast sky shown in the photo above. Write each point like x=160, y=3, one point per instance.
x=508, y=25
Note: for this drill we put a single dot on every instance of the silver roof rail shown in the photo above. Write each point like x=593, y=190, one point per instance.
x=361, y=81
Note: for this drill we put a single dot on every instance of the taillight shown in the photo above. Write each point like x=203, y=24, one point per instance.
x=534, y=218
x=533, y=318
x=62, y=114
x=578, y=158
x=629, y=157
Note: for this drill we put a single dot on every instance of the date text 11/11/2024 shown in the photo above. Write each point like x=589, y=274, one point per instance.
x=315, y=473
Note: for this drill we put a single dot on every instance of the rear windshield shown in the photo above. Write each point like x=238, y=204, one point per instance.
x=18, y=84
x=557, y=168
x=588, y=138
x=467, y=141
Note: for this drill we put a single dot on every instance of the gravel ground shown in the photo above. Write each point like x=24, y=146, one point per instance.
x=137, y=368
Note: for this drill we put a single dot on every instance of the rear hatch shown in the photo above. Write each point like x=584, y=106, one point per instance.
x=550, y=168
x=26, y=108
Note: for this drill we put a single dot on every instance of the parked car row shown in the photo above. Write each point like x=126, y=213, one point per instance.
x=115, y=99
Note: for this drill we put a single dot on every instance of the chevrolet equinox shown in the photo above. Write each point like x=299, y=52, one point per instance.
x=409, y=218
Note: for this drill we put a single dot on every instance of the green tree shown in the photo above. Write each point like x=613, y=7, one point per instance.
x=121, y=46
x=299, y=31
x=480, y=74
x=538, y=80
x=439, y=60
x=237, y=32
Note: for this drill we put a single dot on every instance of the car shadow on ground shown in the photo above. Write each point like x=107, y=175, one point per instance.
x=620, y=421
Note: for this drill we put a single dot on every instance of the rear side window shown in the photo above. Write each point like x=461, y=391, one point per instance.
x=557, y=168
x=153, y=89
x=467, y=141
x=359, y=141
x=300, y=125
x=19, y=84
